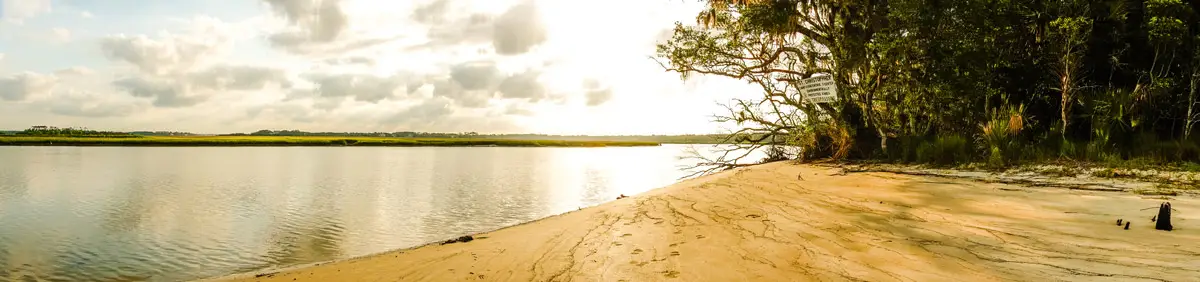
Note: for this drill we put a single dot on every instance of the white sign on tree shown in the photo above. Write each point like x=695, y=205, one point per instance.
x=818, y=89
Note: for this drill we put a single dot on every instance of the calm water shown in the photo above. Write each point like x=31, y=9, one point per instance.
x=167, y=214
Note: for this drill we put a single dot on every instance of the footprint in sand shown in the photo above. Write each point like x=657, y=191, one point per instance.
x=626, y=235
x=617, y=243
x=636, y=251
x=673, y=244
x=675, y=253
x=753, y=216
x=699, y=236
x=671, y=274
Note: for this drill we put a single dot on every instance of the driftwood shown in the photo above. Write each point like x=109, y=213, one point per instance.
x=1164, y=217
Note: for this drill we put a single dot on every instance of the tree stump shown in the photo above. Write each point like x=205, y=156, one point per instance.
x=1164, y=217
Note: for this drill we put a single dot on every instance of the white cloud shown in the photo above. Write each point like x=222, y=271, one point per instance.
x=159, y=56
x=523, y=85
x=313, y=20
x=596, y=93
x=164, y=93
x=477, y=75
x=518, y=30
x=356, y=60
x=61, y=35
x=22, y=86
x=319, y=27
x=474, y=84
x=227, y=77
x=73, y=71
x=427, y=111
x=515, y=31
x=472, y=29
x=334, y=88
x=193, y=88
x=518, y=109
x=90, y=105
x=86, y=15
x=1, y=56
x=449, y=88
x=203, y=39
x=432, y=12
x=17, y=11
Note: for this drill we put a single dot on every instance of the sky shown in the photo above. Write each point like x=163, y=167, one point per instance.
x=219, y=66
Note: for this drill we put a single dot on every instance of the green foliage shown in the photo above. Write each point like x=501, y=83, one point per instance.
x=999, y=136
x=904, y=149
x=945, y=150
x=1025, y=81
x=1166, y=24
x=775, y=17
x=1072, y=28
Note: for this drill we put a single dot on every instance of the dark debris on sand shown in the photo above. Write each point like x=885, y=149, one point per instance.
x=462, y=239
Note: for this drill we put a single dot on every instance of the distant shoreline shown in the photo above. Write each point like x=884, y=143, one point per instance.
x=300, y=141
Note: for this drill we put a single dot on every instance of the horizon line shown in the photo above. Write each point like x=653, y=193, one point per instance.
x=368, y=132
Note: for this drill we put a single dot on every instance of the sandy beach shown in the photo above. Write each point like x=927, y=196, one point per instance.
x=787, y=222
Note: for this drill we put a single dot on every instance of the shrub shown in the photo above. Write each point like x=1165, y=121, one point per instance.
x=945, y=150
x=998, y=136
x=1172, y=151
x=995, y=158
x=904, y=148
x=1098, y=150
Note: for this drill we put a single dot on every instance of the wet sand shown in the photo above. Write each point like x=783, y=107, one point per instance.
x=786, y=222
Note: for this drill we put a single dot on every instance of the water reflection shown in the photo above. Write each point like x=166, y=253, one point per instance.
x=168, y=214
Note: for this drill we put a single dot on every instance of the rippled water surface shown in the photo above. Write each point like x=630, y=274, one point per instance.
x=168, y=214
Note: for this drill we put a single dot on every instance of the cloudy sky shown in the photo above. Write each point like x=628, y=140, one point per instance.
x=216, y=66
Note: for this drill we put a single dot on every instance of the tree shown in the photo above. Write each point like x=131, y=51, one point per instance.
x=1072, y=33
x=912, y=72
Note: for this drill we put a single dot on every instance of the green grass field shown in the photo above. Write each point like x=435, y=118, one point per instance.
x=301, y=141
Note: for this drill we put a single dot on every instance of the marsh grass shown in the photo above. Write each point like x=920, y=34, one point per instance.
x=304, y=141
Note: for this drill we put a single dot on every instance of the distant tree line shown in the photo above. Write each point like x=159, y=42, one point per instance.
x=408, y=134
x=668, y=139
x=672, y=139
x=51, y=131
x=45, y=130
